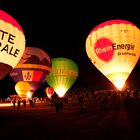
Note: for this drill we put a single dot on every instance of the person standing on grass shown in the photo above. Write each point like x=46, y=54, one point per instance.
x=61, y=106
x=14, y=102
x=57, y=106
x=19, y=103
x=24, y=103
x=34, y=100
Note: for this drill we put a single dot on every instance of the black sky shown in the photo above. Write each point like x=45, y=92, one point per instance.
x=60, y=29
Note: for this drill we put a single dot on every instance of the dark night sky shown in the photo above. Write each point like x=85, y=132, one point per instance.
x=61, y=28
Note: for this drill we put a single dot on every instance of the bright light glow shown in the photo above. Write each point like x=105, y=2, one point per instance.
x=61, y=91
x=49, y=95
x=5, y=104
x=29, y=94
x=119, y=83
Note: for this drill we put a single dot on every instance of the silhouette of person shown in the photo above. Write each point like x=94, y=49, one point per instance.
x=24, y=103
x=14, y=102
x=19, y=103
x=34, y=100
x=61, y=107
x=57, y=106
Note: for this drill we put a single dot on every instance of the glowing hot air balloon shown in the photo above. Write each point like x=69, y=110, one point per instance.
x=12, y=43
x=34, y=67
x=114, y=48
x=49, y=91
x=63, y=75
x=22, y=88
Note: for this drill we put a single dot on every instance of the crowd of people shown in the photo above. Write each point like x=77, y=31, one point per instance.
x=101, y=99
x=19, y=102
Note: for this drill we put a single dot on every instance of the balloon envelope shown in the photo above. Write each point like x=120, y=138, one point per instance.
x=114, y=48
x=63, y=75
x=49, y=91
x=22, y=88
x=12, y=43
x=33, y=67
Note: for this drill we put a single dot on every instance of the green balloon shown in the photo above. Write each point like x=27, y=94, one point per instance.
x=63, y=74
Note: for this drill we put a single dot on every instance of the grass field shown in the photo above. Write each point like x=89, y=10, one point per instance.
x=42, y=123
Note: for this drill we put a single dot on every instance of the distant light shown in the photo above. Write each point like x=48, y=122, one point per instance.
x=5, y=104
x=49, y=95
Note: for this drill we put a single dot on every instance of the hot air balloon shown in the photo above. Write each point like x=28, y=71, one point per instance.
x=23, y=89
x=114, y=48
x=12, y=43
x=33, y=67
x=63, y=75
x=49, y=91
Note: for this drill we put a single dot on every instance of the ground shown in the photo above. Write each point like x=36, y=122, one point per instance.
x=42, y=122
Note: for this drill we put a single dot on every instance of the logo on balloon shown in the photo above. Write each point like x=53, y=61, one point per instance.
x=103, y=49
x=27, y=76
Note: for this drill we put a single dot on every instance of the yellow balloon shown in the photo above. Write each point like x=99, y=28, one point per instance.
x=114, y=48
x=22, y=88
